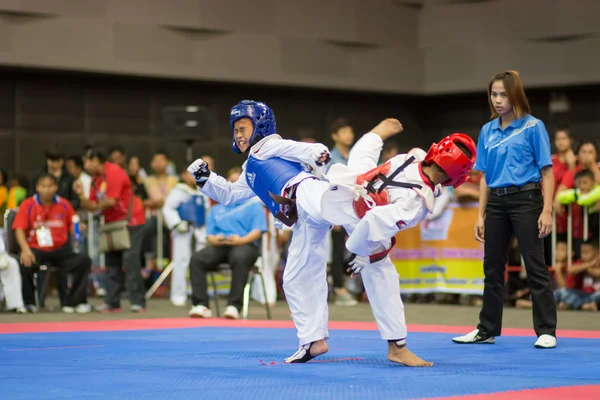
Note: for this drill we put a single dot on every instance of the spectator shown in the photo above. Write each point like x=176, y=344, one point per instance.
x=389, y=151
x=159, y=184
x=18, y=190
x=468, y=192
x=307, y=136
x=564, y=160
x=562, y=282
x=185, y=215
x=42, y=228
x=3, y=195
x=111, y=193
x=585, y=295
x=55, y=166
x=587, y=155
x=75, y=168
x=233, y=234
x=343, y=138
x=136, y=172
x=116, y=155
x=10, y=281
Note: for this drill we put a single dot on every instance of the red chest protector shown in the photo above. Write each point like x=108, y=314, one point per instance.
x=381, y=198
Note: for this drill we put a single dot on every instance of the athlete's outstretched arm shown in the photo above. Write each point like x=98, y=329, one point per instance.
x=217, y=188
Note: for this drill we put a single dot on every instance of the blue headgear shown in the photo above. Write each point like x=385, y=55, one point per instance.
x=260, y=114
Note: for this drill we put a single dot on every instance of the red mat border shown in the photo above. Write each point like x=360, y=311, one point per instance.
x=584, y=392
x=176, y=323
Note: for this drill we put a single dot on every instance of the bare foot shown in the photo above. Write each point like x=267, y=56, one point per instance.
x=523, y=303
x=405, y=357
x=316, y=349
x=589, y=307
x=319, y=348
x=563, y=306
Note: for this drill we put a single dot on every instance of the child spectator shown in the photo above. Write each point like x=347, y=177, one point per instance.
x=583, y=281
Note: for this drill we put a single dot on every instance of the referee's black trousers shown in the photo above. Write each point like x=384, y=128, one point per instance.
x=518, y=213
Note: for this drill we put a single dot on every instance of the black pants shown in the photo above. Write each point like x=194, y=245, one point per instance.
x=518, y=213
x=240, y=258
x=119, y=263
x=338, y=266
x=68, y=262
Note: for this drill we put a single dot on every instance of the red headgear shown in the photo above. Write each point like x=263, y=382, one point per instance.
x=451, y=159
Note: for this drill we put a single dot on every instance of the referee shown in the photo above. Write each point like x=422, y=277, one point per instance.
x=513, y=153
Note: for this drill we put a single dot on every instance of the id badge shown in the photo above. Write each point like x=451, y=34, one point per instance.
x=44, y=238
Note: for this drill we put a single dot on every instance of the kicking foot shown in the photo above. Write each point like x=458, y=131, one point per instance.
x=402, y=355
x=308, y=352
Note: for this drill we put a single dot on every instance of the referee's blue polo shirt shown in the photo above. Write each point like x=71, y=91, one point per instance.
x=515, y=155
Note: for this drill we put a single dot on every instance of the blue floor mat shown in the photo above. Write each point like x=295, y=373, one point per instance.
x=224, y=363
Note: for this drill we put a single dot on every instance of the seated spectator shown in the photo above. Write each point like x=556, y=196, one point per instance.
x=42, y=228
x=233, y=234
x=10, y=281
x=584, y=279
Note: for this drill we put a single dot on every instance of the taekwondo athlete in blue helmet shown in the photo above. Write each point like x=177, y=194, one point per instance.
x=184, y=212
x=280, y=173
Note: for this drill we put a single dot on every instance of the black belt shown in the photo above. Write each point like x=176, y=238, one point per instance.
x=515, y=189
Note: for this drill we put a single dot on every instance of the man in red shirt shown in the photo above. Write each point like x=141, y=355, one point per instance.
x=42, y=228
x=111, y=193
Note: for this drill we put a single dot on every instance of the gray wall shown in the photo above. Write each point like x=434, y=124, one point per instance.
x=39, y=109
x=396, y=46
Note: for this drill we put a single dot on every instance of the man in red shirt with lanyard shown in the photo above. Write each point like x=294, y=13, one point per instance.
x=42, y=227
x=111, y=193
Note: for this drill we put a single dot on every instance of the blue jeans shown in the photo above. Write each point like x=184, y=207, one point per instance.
x=574, y=299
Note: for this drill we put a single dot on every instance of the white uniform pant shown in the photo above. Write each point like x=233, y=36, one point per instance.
x=305, y=276
x=182, y=254
x=10, y=284
x=380, y=279
x=383, y=291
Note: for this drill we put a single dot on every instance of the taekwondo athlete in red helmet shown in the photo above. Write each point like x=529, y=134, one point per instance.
x=374, y=206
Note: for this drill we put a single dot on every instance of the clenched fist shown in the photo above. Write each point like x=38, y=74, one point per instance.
x=200, y=172
x=388, y=128
x=321, y=155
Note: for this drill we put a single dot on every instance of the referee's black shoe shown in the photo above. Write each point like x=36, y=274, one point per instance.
x=475, y=337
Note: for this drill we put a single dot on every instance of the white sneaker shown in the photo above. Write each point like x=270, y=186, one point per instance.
x=231, y=312
x=474, y=338
x=68, y=310
x=545, y=342
x=83, y=308
x=21, y=310
x=200, y=312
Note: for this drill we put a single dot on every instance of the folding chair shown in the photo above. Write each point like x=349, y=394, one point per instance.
x=257, y=269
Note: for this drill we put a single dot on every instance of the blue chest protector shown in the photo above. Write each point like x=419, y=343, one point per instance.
x=264, y=176
x=193, y=211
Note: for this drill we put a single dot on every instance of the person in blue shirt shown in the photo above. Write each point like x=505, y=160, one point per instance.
x=513, y=154
x=233, y=234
